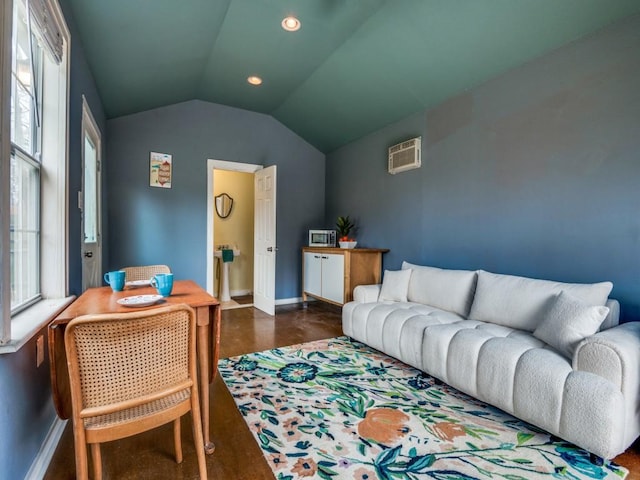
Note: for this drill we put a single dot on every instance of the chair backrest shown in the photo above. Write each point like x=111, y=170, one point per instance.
x=144, y=272
x=131, y=357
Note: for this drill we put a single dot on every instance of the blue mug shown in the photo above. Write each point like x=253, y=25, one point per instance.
x=163, y=282
x=115, y=279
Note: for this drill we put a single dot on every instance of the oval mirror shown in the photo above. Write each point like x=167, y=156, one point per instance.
x=224, y=203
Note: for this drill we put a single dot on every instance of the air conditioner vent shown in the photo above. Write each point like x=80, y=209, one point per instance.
x=405, y=156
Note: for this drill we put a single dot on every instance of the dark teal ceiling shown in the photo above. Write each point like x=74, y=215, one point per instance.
x=353, y=67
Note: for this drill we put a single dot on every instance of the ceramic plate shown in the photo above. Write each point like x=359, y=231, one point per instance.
x=139, y=300
x=138, y=283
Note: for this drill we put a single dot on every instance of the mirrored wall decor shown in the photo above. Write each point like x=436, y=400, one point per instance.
x=224, y=203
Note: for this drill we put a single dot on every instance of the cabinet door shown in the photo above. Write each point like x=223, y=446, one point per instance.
x=333, y=277
x=313, y=273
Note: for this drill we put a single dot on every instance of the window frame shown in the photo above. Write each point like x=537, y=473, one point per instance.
x=6, y=27
x=26, y=156
x=54, y=204
x=20, y=156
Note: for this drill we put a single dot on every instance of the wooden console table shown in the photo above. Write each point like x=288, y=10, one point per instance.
x=330, y=274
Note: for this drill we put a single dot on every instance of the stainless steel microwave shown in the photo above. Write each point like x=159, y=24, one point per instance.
x=322, y=238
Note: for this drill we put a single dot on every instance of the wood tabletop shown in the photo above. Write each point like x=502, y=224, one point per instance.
x=105, y=300
x=339, y=250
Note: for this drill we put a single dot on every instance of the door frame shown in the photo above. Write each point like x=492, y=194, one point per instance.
x=90, y=128
x=211, y=166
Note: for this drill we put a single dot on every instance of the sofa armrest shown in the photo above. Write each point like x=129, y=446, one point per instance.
x=366, y=293
x=615, y=355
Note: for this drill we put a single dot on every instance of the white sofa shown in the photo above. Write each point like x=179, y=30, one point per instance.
x=550, y=353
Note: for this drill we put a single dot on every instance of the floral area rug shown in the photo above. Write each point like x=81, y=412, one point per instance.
x=337, y=409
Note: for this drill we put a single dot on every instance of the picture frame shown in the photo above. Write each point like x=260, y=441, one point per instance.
x=160, y=169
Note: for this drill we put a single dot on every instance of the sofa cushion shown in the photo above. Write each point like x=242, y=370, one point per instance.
x=567, y=321
x=395, y=284
x=497, y=364
x=395, y=328
x=520, y=302
x=538, y=387
x=450, y=290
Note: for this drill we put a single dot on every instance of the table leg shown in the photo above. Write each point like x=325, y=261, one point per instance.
x=202, y=314
x=60, y=388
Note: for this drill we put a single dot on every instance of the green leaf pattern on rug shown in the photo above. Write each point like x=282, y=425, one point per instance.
x=337, y=409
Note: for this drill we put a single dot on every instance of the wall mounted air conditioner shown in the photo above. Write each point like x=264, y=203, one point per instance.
x=405, y=156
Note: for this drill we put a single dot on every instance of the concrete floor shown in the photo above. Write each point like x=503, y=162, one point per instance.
x=237, y=455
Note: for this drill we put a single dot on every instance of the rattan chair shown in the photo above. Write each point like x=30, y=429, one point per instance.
x=130, y=373
x=145, y=272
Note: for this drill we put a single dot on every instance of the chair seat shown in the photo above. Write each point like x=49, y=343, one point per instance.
x=137, y=413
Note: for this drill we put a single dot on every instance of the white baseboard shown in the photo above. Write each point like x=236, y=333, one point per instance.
x=240, y=293
x=281, y=301
x=288, y=301
x=45, y=454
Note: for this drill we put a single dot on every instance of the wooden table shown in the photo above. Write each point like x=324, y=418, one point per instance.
x=104, y=300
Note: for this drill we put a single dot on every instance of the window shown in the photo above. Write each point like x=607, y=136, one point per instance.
x=26, y=147
x=91, y=181
x=33, y=258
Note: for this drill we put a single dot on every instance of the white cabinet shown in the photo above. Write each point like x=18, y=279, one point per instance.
x=324, y=276
x=333, y=277
x=331, y=273
x=313, y=273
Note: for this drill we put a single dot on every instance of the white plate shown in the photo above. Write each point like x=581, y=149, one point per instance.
x=138, y=283
x=139, y=300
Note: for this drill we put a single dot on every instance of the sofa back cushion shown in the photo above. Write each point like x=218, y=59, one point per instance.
x=450, y=290
x=520, y=302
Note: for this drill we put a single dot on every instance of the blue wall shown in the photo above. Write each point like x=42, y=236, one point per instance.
x=151, y=225
x=82, y=83
x=26, y=406
x=26, y=409
x=533, y=173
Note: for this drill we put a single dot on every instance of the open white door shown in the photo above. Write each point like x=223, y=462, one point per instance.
x=264, y=275
x=89, y=201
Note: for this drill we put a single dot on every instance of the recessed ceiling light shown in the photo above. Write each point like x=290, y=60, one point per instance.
x=291, y=24
x=253, y=80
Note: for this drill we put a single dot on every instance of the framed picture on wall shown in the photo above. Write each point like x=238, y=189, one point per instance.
x=160, y=170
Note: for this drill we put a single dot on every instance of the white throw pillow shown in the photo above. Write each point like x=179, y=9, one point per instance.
x=568, y=321
x=395, y=284
x=520, y=302
x=450, y=290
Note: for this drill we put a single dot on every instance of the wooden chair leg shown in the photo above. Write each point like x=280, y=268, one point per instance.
x=198, y=439
x=177, y=441
x=96, y=456
x=80, y=447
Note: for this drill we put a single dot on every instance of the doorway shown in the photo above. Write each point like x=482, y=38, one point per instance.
x=233, y=220
x=233, y=226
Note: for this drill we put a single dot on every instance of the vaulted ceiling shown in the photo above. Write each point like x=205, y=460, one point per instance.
x=353, y=67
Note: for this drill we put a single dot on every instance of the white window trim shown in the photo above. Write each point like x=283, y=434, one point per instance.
x=6, y=10
x=16, y=332
x=55, y=178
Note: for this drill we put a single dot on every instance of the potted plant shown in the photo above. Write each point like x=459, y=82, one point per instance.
x=344, y=225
